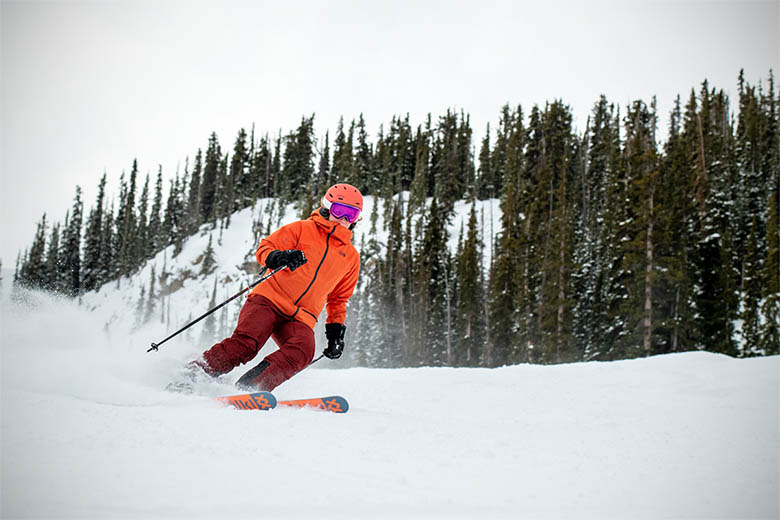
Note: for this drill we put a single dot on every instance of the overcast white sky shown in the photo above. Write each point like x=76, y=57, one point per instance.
x=88, y=86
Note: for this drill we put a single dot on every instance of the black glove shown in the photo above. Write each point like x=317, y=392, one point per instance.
x=335, y=334
x=292, y=258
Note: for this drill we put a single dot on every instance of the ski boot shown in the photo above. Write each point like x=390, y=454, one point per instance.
x=191, y=375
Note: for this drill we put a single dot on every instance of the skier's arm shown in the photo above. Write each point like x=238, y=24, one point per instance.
x=286, y=237
x=338, y=297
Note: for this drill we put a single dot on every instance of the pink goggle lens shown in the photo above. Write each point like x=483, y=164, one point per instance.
x=339, y=210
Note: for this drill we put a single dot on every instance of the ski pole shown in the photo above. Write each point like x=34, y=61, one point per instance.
x=262, y=279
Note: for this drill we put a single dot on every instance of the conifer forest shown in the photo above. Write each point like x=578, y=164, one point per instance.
x=613, y=244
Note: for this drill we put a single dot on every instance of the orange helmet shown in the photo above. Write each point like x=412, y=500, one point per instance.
x=344, y=194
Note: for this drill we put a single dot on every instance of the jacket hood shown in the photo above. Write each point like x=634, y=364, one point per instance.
x=342, y=233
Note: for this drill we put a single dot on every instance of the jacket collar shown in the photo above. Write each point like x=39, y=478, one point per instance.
x=341, y=233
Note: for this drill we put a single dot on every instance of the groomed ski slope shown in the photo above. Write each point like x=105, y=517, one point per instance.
x=88, y=432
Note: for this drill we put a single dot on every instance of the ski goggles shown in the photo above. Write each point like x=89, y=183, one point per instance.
x=339, y=210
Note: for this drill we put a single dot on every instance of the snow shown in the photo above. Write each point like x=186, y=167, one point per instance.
x=88, y=432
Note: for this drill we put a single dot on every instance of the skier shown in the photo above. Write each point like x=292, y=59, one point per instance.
x=322, y=270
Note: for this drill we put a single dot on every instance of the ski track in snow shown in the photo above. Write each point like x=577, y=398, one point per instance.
x=88, y=432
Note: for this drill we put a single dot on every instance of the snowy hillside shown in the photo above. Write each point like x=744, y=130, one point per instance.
x=187, y=292
x=88, y=432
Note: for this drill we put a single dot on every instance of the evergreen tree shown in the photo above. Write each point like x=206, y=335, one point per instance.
x=364, y=175
x=600, y=150
x=750, y=296
x=240, y=172
x=342, y=167
x=498, y=156
x=677, y=274
x=382, y=164
x=638, y=253
x=470, y=326
x=715, y=277
x=324, y=168
x=118, y=231
x=431, y=269
x=228, y=199
x=209, y=262
x=224, y=192
x=155, y=239
x=183, y=199
x=174, y=228
x=484, y=178
x=298, y=167
x=108, y=260
x=71, y=250
x=208, y=187
x=167, y=228
x=220, y=202
x=53, y=276
x=127, y=227
x=276, y=168
x=93, y=241
x=142, y=233
x=467, y=171
x=390, y=166
x=403, y=153
x=309, y=200
x=183, y=218
x=446, y=163
x=770, y=331
x=553, y=236
x=193, y=199
x=771, y=134
x=509, y=294
x=750, y=196
x=261, y=168
x=419, y=186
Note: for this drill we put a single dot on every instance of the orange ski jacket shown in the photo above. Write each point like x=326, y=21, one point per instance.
x=328, y=276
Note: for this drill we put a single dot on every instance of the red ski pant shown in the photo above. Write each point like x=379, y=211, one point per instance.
x=258, y=320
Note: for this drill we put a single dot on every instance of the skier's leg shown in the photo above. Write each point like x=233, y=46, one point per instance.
x=256, y=322
x=296, y=350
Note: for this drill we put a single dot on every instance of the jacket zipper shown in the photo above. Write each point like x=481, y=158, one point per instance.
x=327, y=246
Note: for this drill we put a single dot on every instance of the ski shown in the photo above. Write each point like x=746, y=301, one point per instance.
x=253, y=401
x=332, y=403
x=267, y=401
